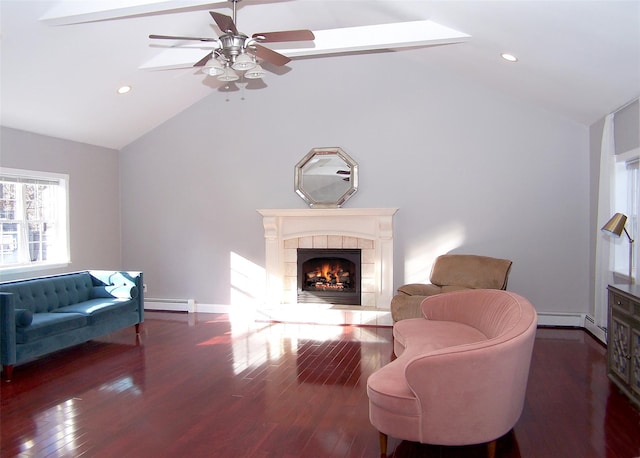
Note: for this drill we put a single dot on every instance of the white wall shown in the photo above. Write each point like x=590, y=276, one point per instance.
x=471, y=171
x=94, y=196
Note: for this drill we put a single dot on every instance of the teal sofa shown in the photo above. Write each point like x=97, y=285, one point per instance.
x=42, y=315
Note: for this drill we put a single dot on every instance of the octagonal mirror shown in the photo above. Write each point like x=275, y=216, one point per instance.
x=326, y=177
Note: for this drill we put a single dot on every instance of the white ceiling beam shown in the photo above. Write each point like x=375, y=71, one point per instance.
x=332, y=41
x=172, y=58
x=66, y=13
x=373, y=37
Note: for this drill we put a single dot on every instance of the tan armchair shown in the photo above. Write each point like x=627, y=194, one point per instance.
x=451, y=272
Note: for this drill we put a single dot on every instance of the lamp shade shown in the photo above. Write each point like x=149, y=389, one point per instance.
x=228, y=75
x=243, y=62
x=615, y=225
x=213, y=68
x=256, y=72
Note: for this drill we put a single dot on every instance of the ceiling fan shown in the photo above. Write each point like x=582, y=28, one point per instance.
x=236, y=51
x=325, y=42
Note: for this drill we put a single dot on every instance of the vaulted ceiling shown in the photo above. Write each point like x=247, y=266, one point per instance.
x=62, y=61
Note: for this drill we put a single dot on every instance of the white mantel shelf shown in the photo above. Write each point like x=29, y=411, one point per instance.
x=372, y=226
x=328, y=211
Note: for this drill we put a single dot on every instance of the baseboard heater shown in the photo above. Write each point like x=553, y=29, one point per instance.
x=170, y=305
x=598, y=331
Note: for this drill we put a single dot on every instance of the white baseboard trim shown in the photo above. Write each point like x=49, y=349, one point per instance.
x=341, y=315
x=304, y=313
x=560, y=319
x=170, y=305
x=597, y=331
x=329, y=315
x=215, y=308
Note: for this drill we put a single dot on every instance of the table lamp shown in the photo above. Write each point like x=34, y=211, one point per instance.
x=615, y=227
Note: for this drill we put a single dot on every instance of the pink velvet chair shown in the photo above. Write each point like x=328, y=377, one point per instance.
x=461, y=371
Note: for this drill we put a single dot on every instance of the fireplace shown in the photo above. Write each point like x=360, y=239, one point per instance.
x=367, y=229
x=330, y=276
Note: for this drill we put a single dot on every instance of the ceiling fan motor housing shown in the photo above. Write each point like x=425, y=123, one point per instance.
x=232, y=45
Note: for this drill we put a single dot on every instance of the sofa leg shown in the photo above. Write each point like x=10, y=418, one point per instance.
x=491, y=449
x=138, y=328
x=383, y=444
x=7, y=372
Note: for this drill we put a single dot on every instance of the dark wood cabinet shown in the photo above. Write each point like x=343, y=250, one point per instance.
x=623, y=339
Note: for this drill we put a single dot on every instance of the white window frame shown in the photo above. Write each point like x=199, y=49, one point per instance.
x=60, y=256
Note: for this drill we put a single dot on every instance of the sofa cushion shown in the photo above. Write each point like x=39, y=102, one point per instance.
x=24, y=318
x=414, y=338
x=388, y=389
x=48, y=293
x=98, y=310
x=424, y=336
x=48, y=324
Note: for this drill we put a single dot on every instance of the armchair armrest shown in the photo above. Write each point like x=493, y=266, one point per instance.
x=419, y=289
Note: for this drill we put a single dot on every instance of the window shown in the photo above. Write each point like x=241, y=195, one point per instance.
x=627, y=201
x=33, y=219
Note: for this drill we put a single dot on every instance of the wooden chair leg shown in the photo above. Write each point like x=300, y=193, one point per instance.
x=491, y=449
x=383, y=444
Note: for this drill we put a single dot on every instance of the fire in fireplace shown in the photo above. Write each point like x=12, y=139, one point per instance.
x=329, y=276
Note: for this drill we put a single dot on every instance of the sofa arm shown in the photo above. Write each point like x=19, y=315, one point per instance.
x=129, y=283
x=7, y=330
x=121, y=292
x=478, y=388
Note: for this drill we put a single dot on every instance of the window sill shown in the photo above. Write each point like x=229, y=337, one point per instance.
x=33, y=267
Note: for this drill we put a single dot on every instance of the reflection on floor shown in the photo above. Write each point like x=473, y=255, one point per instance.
x=201, y=385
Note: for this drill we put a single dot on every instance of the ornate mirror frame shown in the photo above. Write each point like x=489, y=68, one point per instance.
x=326, y=177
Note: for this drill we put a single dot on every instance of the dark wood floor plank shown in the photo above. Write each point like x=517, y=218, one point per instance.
x=202, y=386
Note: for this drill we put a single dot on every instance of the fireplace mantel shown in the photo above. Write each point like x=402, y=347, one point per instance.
x=287, y=229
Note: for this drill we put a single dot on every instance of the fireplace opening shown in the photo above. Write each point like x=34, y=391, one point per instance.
x=329, y=276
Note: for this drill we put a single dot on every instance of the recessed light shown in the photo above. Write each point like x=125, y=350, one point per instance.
x=509, y=57
x=124, y=89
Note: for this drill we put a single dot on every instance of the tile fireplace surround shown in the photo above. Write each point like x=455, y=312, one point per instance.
x=370, y=229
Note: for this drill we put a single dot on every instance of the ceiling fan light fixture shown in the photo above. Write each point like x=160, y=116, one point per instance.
x=244, y=62
x=509, y=57
x=228, y=75
x=235, y=54
x=255, y=73
x=213, y=68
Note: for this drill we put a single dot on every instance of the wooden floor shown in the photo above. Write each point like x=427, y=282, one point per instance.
x=201, y=386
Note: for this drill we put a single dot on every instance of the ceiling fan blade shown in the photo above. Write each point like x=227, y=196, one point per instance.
x=287, y=35
x=171, y=37
x=224, y=22
x=270, y=56
x=202, y=62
